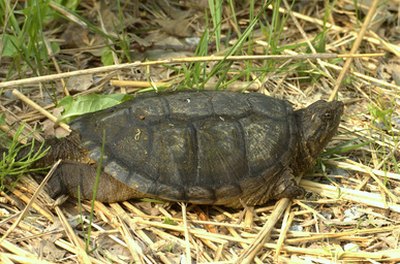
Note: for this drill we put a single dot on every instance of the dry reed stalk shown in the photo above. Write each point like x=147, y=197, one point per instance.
x=34, y=115
x=286, y=223
x=4, y=258
x=382, y=185
x=218, y=252
x=132, y=208
x=56, y=65
x=39, y=208
x=132, y=245
x=395, y=49
x=121, y=213
x=11, y=120
x=219, y=238
x=355, y=166
x=367, y=231
x=74, y=250
x=140, y=214
x=306, y=38
x=18, y=251
x=11, y=258
x=186, y=234
x=108, y=232
x=339, y=253
x=366, y=198
x=164, y=212
x=31, y=203
x=163, y=258
x=78, y=243
x=376, y=138
x=390, y=46
x=354, y=73
x=249, y=253
x=308, y=210
x=354, y=48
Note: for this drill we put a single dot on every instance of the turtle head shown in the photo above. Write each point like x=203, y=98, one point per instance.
x=318, y=123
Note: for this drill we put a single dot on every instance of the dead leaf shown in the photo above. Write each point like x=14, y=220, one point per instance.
x=108, y=18
x=79, y=83
x=204, y=217
x=178, y=27
x=172, y=11
x=50, y=129
x=48, y=250
x=75, y=36
x=390, y=71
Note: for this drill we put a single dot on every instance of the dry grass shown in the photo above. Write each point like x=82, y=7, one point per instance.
x=350, y=214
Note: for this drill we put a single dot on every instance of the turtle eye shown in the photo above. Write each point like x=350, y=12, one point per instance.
x=327, y=116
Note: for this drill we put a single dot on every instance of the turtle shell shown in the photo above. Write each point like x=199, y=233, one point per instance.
x=201, y=147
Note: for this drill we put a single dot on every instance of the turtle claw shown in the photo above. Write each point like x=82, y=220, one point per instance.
x=291, y=191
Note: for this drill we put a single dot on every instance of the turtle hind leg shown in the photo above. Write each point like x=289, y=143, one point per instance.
x=71, y=177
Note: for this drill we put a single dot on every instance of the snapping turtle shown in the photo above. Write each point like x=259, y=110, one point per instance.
x=202, y=147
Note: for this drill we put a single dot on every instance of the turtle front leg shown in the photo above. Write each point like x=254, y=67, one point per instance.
x=286, y=187
x=72, y=177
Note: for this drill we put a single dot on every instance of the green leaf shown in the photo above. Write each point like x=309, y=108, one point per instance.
x=107, y=57
x=383, y=116
x=345, y=147
x=55, y=47
x=2, y=119
x=89, y=103
x=152, y=200
x=320, y=42
x=8, y=46
x=70, y=4
x=169, y=221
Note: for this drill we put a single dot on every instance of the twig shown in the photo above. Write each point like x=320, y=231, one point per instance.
x=353, y=50
x=137, y=84
x=40, y=109
x=57, y=76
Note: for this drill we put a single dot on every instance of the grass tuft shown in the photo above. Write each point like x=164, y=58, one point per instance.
x=17, y=160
